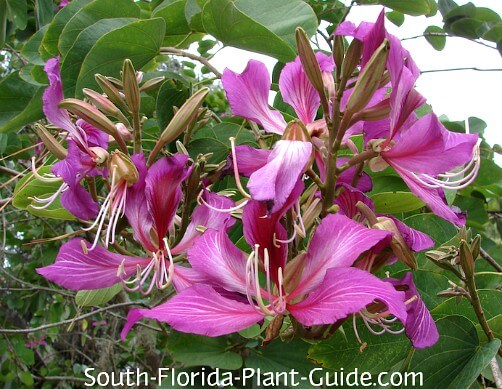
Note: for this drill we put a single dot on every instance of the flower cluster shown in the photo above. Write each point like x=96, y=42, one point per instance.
x=313, y=243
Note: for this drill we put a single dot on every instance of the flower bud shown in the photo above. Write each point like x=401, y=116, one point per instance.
x=296, y=130
x=101, y=155
x=110, y=90
x=338, y=53
x=123, y=168
x=183, y=118
x=50, y=142
x=309, y=60
x=369, y=79
x=101, y=102
x=466, y=259
x=273, y=329
x=352, y=59
x=152, y=84
x=123, y=131
x=131, y=86
x=376, y=112
x=476, y=246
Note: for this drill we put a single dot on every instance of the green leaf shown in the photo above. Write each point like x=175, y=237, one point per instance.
x=170, y=96
x=173, y=13
x=30, y=48
x=72, y=62
x=44, y=10
x=20, y=103
x=436, y=41
x=415, y=7
x=476, y=212
x=491, y=301
x=51, y=37
x=195, y=350
x=26, y=378
x=438, y=229
x=395, y=17
x=17, y=12
x=88, y=298
x=456, y=360
x=494, y=34
x=193, y=14
x=139, y=41
x=343, y=350
x=29, y=187
x=90, y=14
x=396, y=202
x=215, y=140
x=466, y=27
x=262, y=26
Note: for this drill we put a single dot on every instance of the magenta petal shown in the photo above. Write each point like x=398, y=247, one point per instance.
x=337, y=242
x=249, y=160
x=95, y=269
x=206, y=217
x=185, y=277
x=248, y=93
x=199, y=310
x=344, y=291
x=163, y=190
x=94, y=136
x=364, y=184
x=298, y=92
x=419, y=325
x=276, y=180
x=416, y=240
x=348, y=199
x=79, y=202
x=139, y=219
x=216, y=257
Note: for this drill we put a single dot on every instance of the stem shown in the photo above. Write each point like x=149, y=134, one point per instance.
x=137, y=133
x=488, y=258
x=314, y=177
x=358, y=159
x=182, y=53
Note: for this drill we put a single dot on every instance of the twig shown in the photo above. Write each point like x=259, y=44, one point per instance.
x=16, y=53
x=33, y=286
x=183, y=53
x=10, y=172
x=448, y=35
x=68, y=321
x=497, y=375
x=60, y=378
x=459, y=69
x=488, y=258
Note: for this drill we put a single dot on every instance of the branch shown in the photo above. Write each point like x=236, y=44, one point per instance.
x=61, y=378
x=458, y=69
x=488, y=258
x=183, y=53
x=448, y=35
x=68, y=321
x=10, y=172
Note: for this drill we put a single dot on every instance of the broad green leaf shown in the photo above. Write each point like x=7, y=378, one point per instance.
x=491, y=301
x=429, y=284
x=44, y=10
x=415, y=7
x=395, y=17
x=215, y=140
x=30, y=48
x=446, y=6
x=51, y=37
x=17, y=11
x=20, y=103
x=343, y=350
x=90, y=14
x=193, y=14
x=173, y=13
x=3, y=22
x=170, y=96
x=26, y=378
x=196, y=350
x=139, y=41
x=388, y=183
x=438, y=229
x=34, y=74
x=396, y=202
x=29, y=187
x=436, y=37
x=88, y=298
x=466, y=27
x=456, y=360
x=475, y=208
x=494, y=34
x=263, y=26
x=72, y=62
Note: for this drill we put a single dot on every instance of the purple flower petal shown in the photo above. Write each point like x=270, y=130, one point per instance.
x=216, y=257
x=364, y=184
x=249, y=160
x=337, y=242
x=419, y=325
x=348, y=199
x=416, y=240
x=199, y=310
x=248, y=93
x=185, y=277
x=275, y=181
x=163, y=190
x=206, y=217
x=95, y=269
x=298, y=92
x=344, y=291
x=94, y=136
x=79, y=202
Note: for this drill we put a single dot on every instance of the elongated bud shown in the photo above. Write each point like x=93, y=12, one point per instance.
x=101, y=102
x=352, y=59
x=151, y=84
x=338, y=53
x=131, y=86
x=369, y=79
x=123, y=168
x=466, y=259
x=50, y=142
x=309, y=60
x=296, y=130
x=273, y=329
x=94, y=117
x=378, y=111
x=110, y=90
x=476, y=247
x=397, y=244
x=123, y=131
x=183, y=118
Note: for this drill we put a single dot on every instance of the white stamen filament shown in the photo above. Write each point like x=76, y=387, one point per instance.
x=46, y=177
x=225, y=210
x=236, y=169
x=47, y=202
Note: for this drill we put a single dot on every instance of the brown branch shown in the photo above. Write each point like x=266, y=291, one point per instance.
x=460, y=69
x=11, y=172
x=488, y=258
x=183, y=53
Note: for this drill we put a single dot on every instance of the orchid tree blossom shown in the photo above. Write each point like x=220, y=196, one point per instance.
x=151, y=207
x=320, y=287
x=86, y=152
